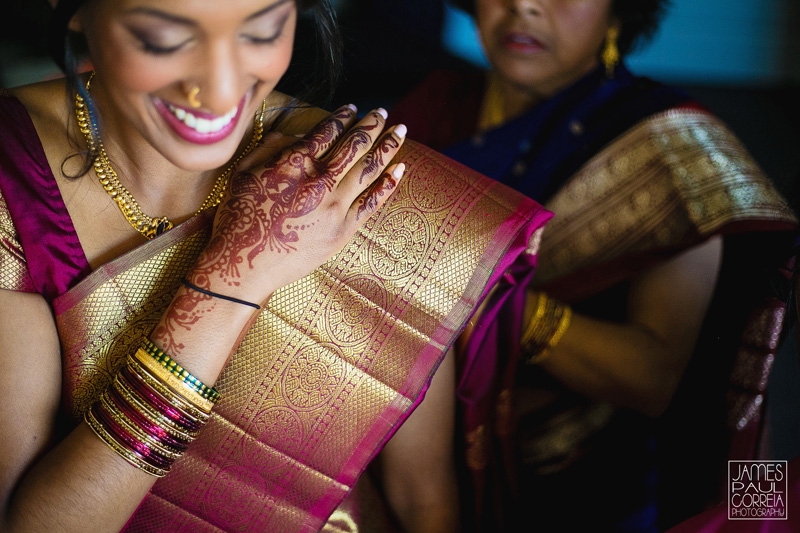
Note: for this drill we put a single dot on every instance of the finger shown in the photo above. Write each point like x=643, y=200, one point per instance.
x=324, y=135
x=377, y=194
x=371, y=164
x=356, y=142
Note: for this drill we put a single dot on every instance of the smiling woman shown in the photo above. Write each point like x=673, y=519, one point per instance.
x=163, y=313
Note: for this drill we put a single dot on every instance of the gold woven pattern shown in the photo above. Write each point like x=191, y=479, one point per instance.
x=13, y=269
x=677, y=173
x=332, y=363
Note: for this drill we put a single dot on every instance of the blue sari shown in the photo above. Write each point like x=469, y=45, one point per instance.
x=596, y=135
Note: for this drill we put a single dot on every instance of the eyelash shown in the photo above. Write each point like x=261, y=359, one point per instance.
x=267, y=40
x=160, y=51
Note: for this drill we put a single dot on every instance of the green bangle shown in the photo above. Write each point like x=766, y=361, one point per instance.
x=208, y=393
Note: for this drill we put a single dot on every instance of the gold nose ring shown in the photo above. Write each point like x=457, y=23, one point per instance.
x=192, y=97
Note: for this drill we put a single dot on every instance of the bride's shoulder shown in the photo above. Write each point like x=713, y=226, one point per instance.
x=47, y=103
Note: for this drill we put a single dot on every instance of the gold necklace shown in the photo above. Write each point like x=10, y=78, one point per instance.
x=148, y=226
x=492, y=113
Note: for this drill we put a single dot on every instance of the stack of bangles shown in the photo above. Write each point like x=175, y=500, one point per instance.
x=548, y=323
x=152, y=411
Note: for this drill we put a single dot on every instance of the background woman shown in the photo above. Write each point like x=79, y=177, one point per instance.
x=658, y=210
x=115, y=323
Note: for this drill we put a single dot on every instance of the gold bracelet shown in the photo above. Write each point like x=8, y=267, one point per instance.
x=173, y=398
x=545, y=329
x=563, y=324
x=209, y=393
x=531, y=328
x=121, y=449
x=173, y=382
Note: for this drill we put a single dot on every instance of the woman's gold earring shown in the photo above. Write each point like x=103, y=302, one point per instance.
x=192, y=97
x=610, y=54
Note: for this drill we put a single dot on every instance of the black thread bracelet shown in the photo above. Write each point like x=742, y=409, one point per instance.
x=186, y=283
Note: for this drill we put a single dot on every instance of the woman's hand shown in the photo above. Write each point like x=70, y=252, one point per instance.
x=282, y=219
x=278, y=222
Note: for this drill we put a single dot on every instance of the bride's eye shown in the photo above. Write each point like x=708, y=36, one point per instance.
x=265, y=32
x=152, y=48
x=263, y=40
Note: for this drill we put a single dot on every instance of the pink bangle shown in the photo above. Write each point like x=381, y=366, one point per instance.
x=158, y=402
x=148, y=411
x=144, y=452
x=151, y=428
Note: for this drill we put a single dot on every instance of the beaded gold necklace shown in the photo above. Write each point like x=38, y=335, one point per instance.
x=148, y=226
x=492, y=112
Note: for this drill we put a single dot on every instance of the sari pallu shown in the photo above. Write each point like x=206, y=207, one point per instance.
x=671, y=182
x=333, y=365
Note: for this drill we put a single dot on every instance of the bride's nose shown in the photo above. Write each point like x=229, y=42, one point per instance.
x=221, y=79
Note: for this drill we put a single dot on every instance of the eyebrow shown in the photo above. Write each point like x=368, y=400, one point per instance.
x=189, y=22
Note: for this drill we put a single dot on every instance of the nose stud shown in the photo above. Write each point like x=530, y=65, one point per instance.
x=192, y=97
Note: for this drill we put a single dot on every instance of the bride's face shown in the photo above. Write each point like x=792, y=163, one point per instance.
x=149, y=54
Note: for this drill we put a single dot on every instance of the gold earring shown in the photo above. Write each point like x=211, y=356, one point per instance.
x=610, y=53
x=192, y=97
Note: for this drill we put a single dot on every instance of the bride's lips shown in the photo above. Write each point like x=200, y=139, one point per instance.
x=198, y=127
x=521, y=42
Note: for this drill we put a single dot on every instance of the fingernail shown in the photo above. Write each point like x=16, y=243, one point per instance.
x=382, y=112
x=399, y=170
x=351, y=107
x=400, y=130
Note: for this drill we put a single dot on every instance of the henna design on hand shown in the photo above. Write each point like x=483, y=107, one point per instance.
x=184, y=313
x=374, y=160
x=356, y=140
x=259, y=210
x=268, y=208
x=384, y=185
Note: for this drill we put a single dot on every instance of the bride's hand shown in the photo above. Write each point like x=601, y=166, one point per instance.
x=282, y=219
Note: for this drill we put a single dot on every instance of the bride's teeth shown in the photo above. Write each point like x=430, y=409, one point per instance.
x=203, y=125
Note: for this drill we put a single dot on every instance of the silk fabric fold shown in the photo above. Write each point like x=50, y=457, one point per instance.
x=333, y=365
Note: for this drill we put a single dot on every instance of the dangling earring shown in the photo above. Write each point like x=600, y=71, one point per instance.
x=610, y=53
x=192, y=97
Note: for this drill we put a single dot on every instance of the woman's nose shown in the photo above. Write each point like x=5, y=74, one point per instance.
x=221, y=78
x=525, y=7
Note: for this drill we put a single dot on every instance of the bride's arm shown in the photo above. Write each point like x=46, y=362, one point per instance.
x=80, y=484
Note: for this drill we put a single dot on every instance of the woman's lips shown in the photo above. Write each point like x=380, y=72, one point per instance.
x=521, y=42
x=198, y=127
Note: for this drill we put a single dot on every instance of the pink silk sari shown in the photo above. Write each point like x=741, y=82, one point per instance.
x=334, y=364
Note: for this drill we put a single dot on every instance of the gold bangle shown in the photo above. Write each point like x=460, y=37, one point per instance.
x=530, y=335
x=563, y=324
x=173, y=382
x=545, y=329
x=120, y=449
x=173, y=398
x=209, y=393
